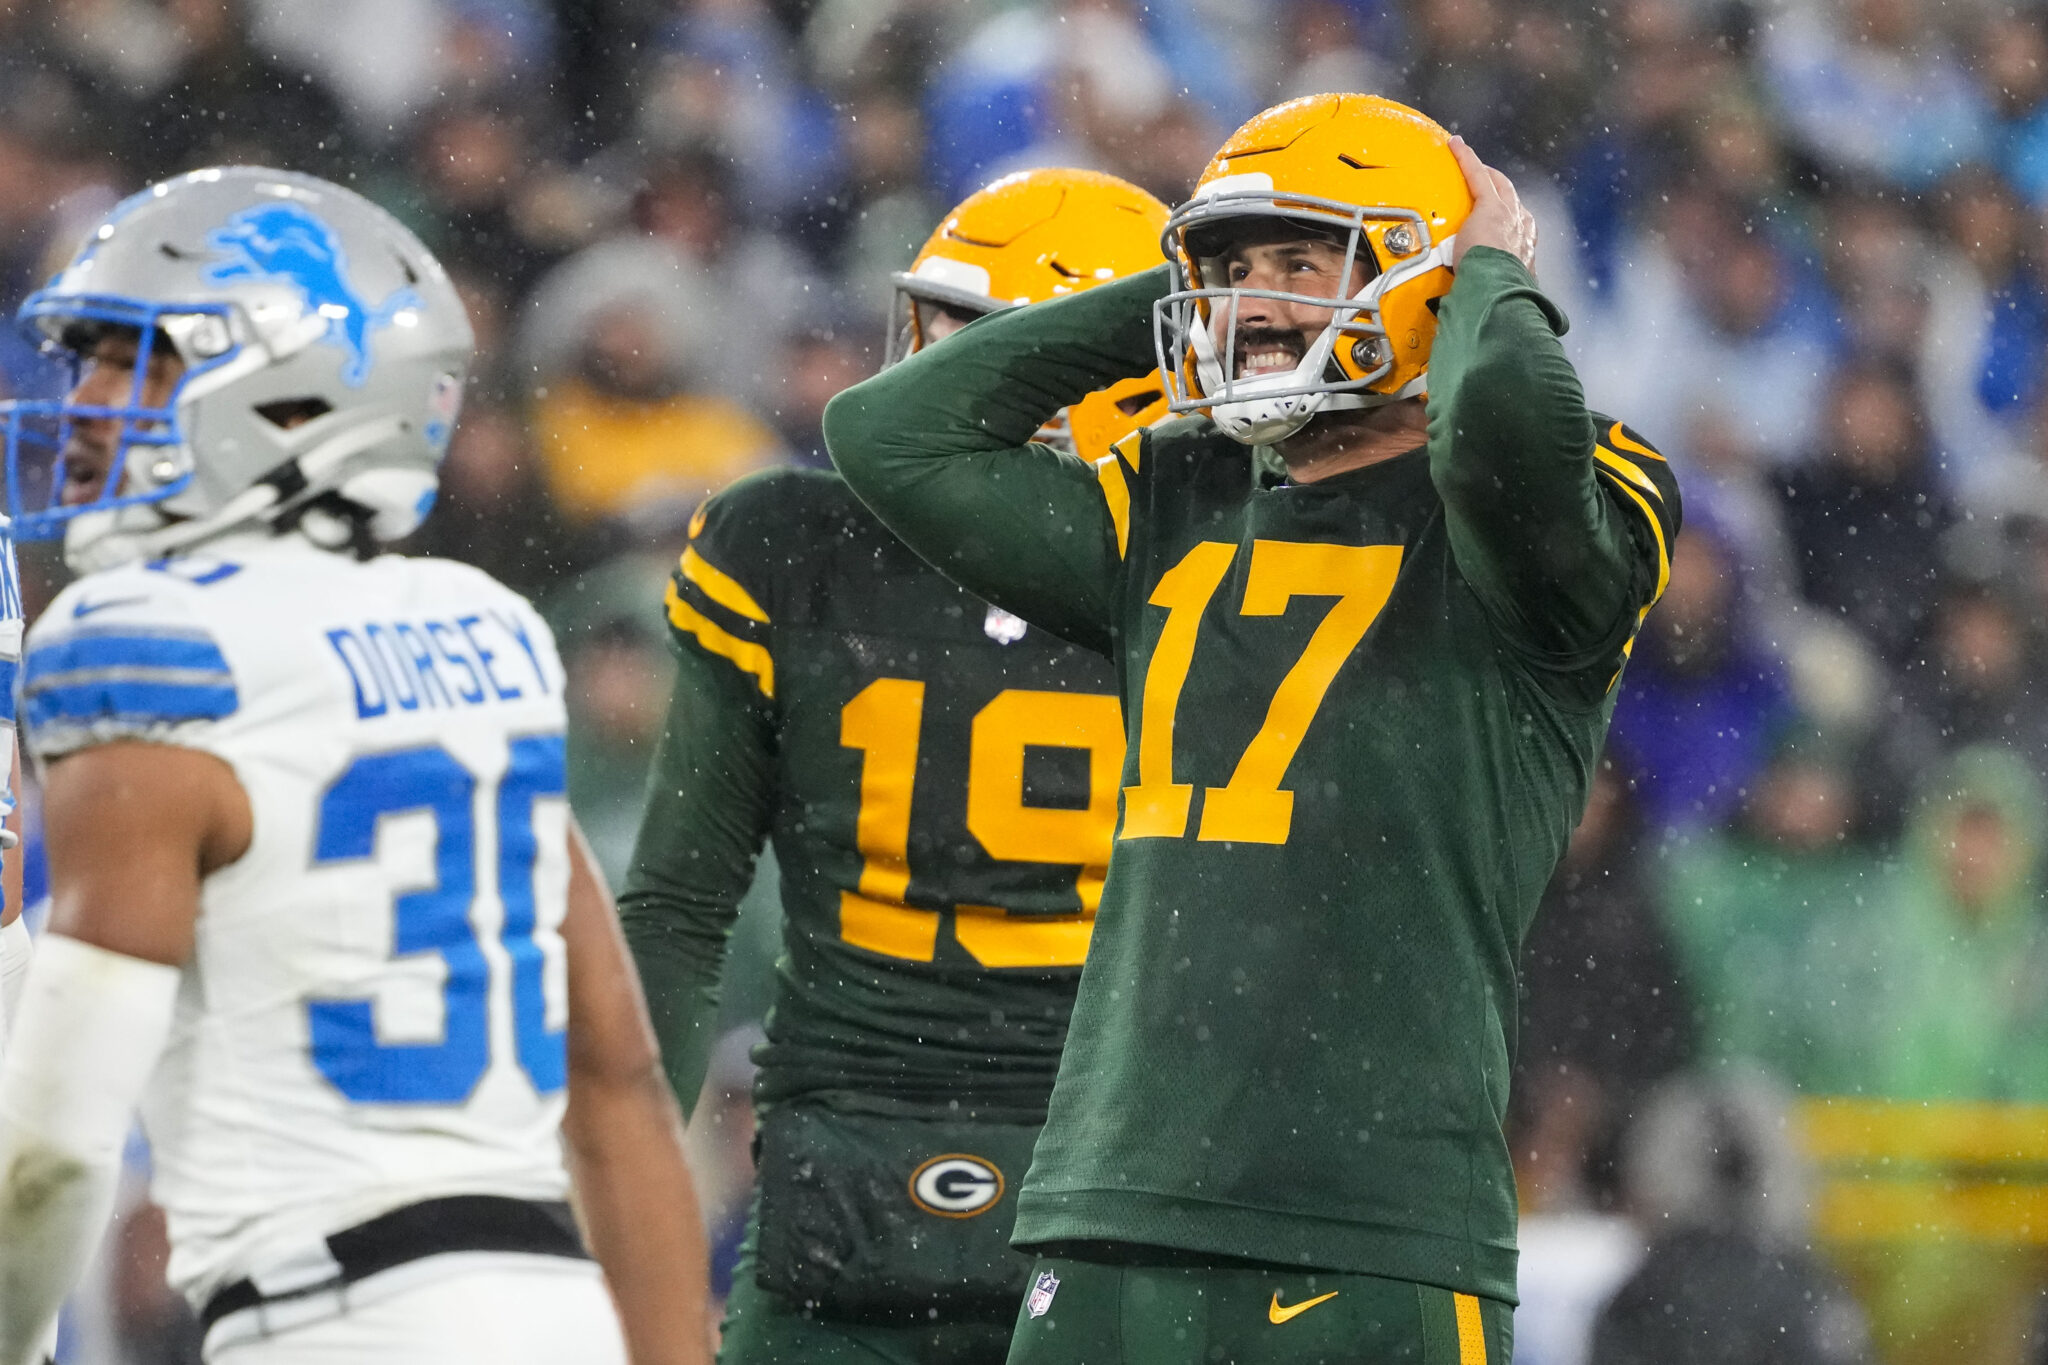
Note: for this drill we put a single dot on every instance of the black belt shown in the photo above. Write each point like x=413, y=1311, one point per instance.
x=433, y=1227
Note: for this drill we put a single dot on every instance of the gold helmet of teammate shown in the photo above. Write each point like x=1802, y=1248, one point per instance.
x=1364, y=173
x=1029, y=237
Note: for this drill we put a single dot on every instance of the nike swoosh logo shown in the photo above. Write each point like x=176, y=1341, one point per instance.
x=1277, y=1315
x=84, y=609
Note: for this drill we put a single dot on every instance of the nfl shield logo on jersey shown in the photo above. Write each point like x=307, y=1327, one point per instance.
x=1041, y=1293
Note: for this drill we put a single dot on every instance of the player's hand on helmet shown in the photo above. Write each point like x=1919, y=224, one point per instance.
x=1498, y=218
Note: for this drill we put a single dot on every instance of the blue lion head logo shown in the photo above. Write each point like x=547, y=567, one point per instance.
x=286, y=241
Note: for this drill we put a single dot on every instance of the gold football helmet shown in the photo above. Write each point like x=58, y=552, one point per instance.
x=1368, y=173
x=1029, y=237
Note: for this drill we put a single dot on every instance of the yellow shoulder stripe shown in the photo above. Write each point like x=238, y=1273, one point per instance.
x=1627, y=471
x=699, y=517
x=746, y=655
x=1117, y=494
x=720, y=587
x=1656, y=529
x=1128, y=448
x=1621, y=440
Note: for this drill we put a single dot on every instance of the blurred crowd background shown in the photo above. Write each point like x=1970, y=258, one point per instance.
x=1784, y=1055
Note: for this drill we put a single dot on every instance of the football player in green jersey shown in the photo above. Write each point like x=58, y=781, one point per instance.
x=939, y=784
x=1369, y=603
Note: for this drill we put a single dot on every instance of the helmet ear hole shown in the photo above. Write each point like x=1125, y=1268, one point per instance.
x=286, y=413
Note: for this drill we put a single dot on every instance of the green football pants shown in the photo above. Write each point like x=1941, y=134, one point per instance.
x=1089, y=1313
x=763, y=1328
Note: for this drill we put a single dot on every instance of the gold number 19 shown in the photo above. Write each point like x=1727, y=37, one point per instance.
x=884, y=721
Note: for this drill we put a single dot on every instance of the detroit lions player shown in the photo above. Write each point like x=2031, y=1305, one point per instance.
x=311, y=864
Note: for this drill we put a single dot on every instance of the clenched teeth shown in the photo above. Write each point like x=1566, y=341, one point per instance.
x=1268, y=361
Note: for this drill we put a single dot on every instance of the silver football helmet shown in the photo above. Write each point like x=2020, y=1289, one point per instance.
x=324, y=352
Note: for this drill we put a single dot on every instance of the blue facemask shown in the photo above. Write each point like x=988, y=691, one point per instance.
x=37, y=431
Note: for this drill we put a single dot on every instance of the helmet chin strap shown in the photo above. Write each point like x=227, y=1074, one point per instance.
x=100, y=540
x=1264, y=424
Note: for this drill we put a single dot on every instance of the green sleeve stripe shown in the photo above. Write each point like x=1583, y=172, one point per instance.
x=745, y=655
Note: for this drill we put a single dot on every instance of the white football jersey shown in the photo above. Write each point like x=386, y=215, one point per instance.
x=10, y=660
x=10, y=670
x=375, y=1009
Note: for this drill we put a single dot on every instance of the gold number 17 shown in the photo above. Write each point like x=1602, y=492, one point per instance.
x=1252, y=808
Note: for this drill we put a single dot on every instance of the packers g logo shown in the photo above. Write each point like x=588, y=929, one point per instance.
x=956, y=1185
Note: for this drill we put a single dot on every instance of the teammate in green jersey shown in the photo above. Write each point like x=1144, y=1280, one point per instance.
x=1368, y=609
x=939, y=783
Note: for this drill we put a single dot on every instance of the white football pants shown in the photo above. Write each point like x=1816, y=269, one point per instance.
x=539, y=1311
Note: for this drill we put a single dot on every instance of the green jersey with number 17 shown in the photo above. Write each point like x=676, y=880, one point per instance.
x=1362, y=717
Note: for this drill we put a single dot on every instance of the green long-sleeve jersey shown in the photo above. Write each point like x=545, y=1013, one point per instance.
x=1362, y=714
x=938, y=782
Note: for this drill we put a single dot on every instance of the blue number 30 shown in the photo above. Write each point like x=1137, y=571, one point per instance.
x=437, y=920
